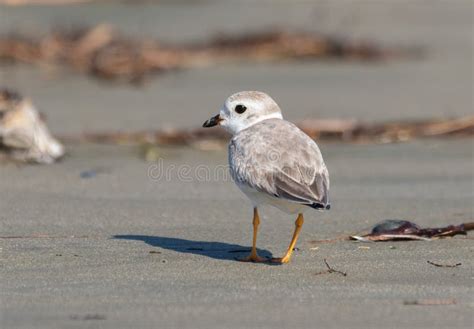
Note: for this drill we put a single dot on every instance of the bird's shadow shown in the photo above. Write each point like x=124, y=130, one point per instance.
x=216, y=250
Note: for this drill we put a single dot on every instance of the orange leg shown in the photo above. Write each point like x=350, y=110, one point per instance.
x=285, y=259
x=254, y=257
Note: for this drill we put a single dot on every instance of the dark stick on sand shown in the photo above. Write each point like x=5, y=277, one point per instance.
x=443, y=265
x=330, y=270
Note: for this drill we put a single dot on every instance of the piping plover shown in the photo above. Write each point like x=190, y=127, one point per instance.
x=272, y=161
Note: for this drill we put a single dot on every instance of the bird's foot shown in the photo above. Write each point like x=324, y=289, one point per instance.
x=282, y=260
x=253, y=258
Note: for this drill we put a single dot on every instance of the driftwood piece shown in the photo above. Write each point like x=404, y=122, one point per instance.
x=392, y=229
x=102, y=52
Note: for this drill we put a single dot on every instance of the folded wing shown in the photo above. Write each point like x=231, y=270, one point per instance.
x=279, y=159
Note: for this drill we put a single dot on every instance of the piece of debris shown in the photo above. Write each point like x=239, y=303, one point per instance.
x=104, y=53
x=448, y=301
x=23, y=134
x=330, y=270
x=443, y=265
x=394, y=229
x=388, y=132
x=209, y=139
x=154, y=252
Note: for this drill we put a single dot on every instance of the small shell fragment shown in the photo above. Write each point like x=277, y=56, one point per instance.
x=23, y=134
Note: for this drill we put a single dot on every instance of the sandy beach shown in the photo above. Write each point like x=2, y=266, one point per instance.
x=99, y=241
x=140, y=252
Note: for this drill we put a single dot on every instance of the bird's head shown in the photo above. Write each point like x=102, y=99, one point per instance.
x=244, y=109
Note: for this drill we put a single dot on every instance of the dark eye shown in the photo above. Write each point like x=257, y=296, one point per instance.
x=240, y=109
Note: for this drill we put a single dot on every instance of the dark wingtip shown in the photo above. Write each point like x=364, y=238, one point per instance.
x=320, y=206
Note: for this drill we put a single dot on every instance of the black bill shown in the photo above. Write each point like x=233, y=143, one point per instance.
x=214, y=121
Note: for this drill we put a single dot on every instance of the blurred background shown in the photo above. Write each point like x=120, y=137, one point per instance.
x=436, y=83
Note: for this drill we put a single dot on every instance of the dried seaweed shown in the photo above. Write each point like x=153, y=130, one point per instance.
x=391, y=229
x=104, y=53
x=325, y=130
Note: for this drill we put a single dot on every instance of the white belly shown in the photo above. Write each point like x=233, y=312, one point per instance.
x=259, y=198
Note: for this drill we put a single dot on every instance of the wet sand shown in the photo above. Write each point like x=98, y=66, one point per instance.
x=122, y=249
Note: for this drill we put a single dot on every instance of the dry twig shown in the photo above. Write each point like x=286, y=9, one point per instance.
x=330, y=270
x=443, y=265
